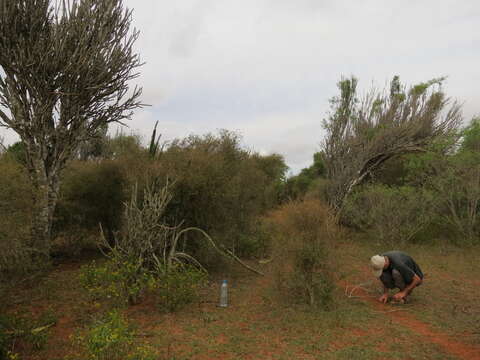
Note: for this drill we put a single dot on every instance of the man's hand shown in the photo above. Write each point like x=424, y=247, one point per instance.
x=399, y=296
x=383, y=299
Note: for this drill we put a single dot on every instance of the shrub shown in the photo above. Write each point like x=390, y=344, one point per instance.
x=145, y=254
x=303, y=233
x=121, y=282
x=16, y=214
x=179, y=286
x=30, y=331
x=453, y=178
x=112, y=338
x=392, y=215
x=91, y=193
x=219, y=187
x=109, y=338
x=4, y=338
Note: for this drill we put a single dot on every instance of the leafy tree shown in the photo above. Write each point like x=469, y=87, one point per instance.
x=122, y=145
x=392, y=215
x=297, y=186
x=219, y=186
x=471, y=136
x=451, y=170
x=362, y=134
x=65, y=67
x=17, y=151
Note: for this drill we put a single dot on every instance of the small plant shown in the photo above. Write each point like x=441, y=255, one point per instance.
x=112, y=338
x=30, y=332
x=122, y=282
x=4, y=337
x=109, y=338
x=179, y=286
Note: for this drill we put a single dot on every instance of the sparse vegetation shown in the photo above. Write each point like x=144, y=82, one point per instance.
x=148, y=232
x=304, y=233
x=112, y=338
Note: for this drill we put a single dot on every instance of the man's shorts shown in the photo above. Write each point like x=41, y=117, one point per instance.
x=393, y=280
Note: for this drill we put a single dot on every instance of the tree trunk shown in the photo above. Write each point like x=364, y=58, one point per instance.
x=45, y=197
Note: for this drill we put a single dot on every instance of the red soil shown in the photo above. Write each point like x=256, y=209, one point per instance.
x=449, y=345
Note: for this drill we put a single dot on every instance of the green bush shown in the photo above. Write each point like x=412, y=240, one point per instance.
x=179, y=287
x=121, y=283
x=109, y=338
x=112, y=338
x=453, y=178
x=91, y=193
x=30, y=331
x=5, y=337
x=303, y=234
x=219, y=187
x=391, y=215
x=16, y=214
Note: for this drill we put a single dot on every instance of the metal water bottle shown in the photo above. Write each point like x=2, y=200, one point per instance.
x=224, y=294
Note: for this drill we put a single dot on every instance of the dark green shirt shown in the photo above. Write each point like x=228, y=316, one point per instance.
x=405, y=265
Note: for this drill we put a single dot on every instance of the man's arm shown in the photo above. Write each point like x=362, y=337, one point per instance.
x=384, y=297
x=415, y=282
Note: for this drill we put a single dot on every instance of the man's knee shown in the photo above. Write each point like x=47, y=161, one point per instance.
x=387, y=281
x=398, y=279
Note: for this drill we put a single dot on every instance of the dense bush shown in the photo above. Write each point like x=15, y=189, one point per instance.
x=303, y=233
x=92, y=193
x=220, y=187
x=450, y=170
x=179, y=287
x=144, y=255
x=15, y=219
x=391, y=215
x=310, y=180
x=121, y=283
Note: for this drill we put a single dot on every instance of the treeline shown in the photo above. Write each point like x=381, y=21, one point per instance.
x=430, y=196
x=216, y=185
x=399, y=166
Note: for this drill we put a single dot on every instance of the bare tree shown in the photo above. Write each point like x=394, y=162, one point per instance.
x=65, y=67
x=362, y=134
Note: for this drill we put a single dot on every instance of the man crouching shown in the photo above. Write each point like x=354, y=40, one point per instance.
x=396, y=269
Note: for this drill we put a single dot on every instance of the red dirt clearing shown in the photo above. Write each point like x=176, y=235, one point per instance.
x=449, y=345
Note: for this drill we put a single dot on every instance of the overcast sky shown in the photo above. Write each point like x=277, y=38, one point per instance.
x=266, y=68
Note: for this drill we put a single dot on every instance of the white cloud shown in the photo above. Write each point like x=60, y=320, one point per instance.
x=268, y=67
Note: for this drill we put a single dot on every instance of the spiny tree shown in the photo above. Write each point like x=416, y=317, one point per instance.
x=362, y=134
x=65, y=69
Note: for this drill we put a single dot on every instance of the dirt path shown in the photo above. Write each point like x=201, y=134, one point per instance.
x=407, y=320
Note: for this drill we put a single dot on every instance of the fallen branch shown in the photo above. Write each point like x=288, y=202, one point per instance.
x=222, y=251
x=232, y=255
x=32, y=331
